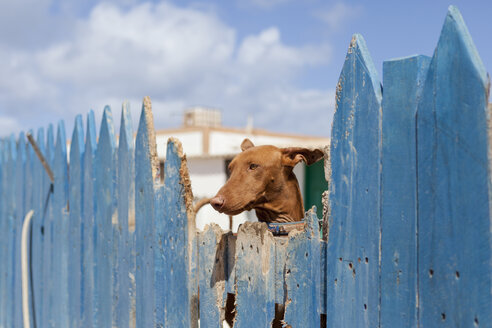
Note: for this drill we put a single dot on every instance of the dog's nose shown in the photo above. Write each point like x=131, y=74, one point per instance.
x=217, y=202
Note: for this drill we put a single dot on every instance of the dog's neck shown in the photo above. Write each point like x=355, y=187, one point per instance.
x=285, y=205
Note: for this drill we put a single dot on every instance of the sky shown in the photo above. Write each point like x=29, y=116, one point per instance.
x=276, y=61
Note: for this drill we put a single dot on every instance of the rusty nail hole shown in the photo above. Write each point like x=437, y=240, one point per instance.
x=443, y=316
x=297, y=285
x=476, y=321
x=340, y=259
x=457, y=275
x=288, y=271
x=353, y=272
x=367, y=260
x=251, y=246
x=350, y=265
x=249, y=278
x=358, y=259
x=307, y=254
x=431, y=273
x=365, y=307
x=336, y=281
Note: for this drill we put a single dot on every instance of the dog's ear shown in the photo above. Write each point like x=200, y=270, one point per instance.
x=293, y=155
x=246, y=144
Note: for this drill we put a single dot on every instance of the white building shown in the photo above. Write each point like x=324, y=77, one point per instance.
x=209, y=147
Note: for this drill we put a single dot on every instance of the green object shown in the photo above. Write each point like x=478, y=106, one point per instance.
x=314, y=186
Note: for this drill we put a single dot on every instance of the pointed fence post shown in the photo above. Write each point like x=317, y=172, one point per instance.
x=89, y=230
x=353, y=244
x=125, y=308
x=41, y=186
x=19, y=218
x=145, y=174
x=76, y=175
x=104, y=251
x=175, y=275
x=47, y=314
x=403, y=83
x=454, y=191
x=60, y=237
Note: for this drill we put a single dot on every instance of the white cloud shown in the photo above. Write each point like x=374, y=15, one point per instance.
x=339, y=13
x=179, y=56
x=263, y=4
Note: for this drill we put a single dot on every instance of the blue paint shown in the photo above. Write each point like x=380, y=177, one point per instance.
x=353, y=284
x=88, y=227
x=76, y=192
x=403, y=80
x=144, y=219
x=105, y=209
x=61, y=246
x=212, y=276
x=302, y=275
x=255, y=272
x=47, y=314
x=454, y=225
x=19, y=218
x=40, y=191
x=125, y=275
x=175, y=236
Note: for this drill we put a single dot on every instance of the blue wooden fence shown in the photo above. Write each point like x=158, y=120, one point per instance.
x=409, y=241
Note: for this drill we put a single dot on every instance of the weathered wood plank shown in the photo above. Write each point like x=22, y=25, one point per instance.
x=174, y=240
x=3, y=234
x=105, y=214
x=76, y=191
x=41, y=189
x=212, y=276
x=255, y=272
x=145, y=173
x=353, y=282
x=47, y=314
x=60, y=245
x=88, y=226
x=19, y=218
x=29, y=205
x=125, y=293
x=302, y=275
x=454, y=193
x=10, y=214
x=403, y=82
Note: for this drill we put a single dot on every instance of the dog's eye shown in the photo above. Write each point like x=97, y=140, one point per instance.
x=253, y=166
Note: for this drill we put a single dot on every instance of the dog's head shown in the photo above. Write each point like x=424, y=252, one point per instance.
x=258, y=175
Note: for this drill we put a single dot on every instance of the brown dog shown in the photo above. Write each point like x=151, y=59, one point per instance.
x=262, y=179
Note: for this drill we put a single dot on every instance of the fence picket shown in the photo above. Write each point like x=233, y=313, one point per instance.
x=105, y=214
x=353, y=288
x=47, y=315
x=88, y=229
x=40, y=192
x=4, y=231
x=213, y=275
x=126, y=223
x=60, y=248
x=255, y=263
x=454, y=185
x=403, y=79
x=302, y=305
x=145, y=173
x=76, y=174
x=175, y=237
x=19, y=218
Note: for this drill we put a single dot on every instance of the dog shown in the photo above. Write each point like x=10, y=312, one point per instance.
x=262, y=179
